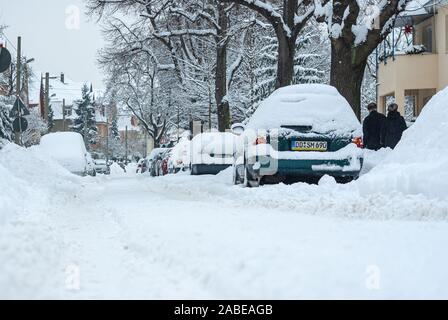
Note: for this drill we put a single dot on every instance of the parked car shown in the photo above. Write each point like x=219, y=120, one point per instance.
x=90, y=165
x=154, y=160
x=180, y=157
x=165, y=157
x=142, y=166
x=212, y=152
x=69, y=150
x=299, y=131
x=102, y=167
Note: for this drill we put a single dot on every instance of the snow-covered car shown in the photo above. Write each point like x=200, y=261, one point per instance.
x=91, y=171
x=163, y=164
x=101, y=166
x=154, y=160
x=180, y=157
x=212, y=152
x=69, y=150
x=142, y=166
x=300, y=131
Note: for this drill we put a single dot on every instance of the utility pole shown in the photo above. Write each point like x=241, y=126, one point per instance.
x=63, y=115
x=18, y=135
x=107, y=133
x=209, y=109
x=47, y=96
x=126, y=139
x=85, y=129
x=178, y=123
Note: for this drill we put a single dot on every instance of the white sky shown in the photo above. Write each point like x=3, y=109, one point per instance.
x=50, y=34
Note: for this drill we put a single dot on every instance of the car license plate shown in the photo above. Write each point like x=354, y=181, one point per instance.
x=309, y=146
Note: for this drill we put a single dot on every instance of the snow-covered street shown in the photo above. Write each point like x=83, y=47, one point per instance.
x=129, y=236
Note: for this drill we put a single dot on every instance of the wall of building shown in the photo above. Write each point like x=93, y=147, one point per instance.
x=442, y=45
x=426, y=73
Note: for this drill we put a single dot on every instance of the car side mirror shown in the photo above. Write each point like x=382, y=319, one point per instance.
x=238, y=129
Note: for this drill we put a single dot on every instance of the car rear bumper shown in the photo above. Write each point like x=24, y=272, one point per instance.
x=264, y=161
x=199, y=169
x=266, y=166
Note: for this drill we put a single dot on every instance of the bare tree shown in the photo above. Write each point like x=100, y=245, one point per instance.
x=354, y=35
x=288, y=18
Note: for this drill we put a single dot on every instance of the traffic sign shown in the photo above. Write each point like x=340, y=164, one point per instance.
x=20, y=125
x=19, y=109
x=5, y=59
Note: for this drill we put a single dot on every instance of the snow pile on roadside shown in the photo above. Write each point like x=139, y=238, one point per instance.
x=327, y=199
x=115, y=169
x=33, y=187
x=374, y=158
x=419, y=163
x=30, y=180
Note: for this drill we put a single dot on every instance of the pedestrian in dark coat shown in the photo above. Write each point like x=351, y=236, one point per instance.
x=372, y=126
x=393, y=128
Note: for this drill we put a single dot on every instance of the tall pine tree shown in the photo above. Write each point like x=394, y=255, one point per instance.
x=6, y=131
x=114, y=131
x=50, y=123
x=85, y=121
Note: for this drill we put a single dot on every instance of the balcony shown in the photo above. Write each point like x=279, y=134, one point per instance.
x=408, y=75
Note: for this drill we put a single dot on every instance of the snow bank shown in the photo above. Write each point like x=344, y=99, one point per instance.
x=29, y=177
x=419, y=163
x=32, y=187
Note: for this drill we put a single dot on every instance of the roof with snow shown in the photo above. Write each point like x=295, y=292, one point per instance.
x=62, y=87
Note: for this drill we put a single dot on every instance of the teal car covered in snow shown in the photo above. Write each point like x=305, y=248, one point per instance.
x=299, y=131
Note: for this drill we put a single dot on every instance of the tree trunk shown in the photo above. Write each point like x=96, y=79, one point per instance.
x=347, y=73
x=285, y=64
x=221, y=71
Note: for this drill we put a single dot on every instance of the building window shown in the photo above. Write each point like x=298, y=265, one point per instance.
x=427, y=38
x=68, y=111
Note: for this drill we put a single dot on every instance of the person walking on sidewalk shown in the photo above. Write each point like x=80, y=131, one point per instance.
x=393, y=128
x=372, y=126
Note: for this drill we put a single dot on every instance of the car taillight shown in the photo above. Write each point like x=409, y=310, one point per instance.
x=261, y=140
x=358, y=141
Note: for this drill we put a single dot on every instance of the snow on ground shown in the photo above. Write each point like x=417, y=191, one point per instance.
x=181, y=236
x=133, y=236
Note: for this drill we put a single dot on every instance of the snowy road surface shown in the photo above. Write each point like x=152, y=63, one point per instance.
x=129, y=236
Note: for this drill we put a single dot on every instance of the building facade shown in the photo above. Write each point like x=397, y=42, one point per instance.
x=412, y=76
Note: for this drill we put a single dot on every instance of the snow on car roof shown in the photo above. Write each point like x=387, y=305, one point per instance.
x=317, y=105
x=214, y=142
x=156, y=151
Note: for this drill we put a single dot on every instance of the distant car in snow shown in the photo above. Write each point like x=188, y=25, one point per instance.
x=299, y=131
x=154, y=160
x=164, y=169
x=212, y=152
x=91, y=171
x=179, y=159
x=101, y=166
x=69, y=150
x=142, y=166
